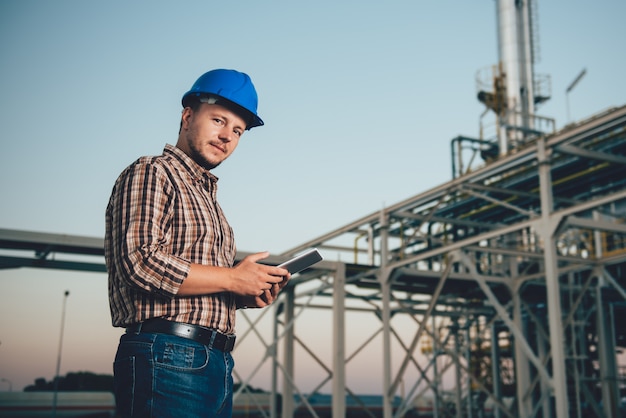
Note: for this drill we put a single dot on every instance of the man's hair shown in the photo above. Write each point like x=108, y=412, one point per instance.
x=194, y=104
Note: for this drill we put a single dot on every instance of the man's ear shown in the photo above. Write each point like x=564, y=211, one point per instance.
x=184, y=119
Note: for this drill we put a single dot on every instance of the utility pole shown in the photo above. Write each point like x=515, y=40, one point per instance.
x=570, y=88
x=56, y=377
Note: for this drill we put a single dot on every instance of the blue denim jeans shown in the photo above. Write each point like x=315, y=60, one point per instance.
x=159, y=375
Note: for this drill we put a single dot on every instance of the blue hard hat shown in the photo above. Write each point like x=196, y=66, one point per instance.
x=234, y=86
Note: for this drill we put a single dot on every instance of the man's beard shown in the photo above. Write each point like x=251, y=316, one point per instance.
x=197, y=156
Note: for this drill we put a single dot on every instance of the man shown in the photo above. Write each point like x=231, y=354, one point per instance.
x=170, y=255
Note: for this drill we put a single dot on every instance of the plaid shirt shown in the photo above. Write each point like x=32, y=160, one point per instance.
x=162, y=216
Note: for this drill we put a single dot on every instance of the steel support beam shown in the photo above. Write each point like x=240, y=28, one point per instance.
x=288, y=407
x=339, y=341
x=548, y=227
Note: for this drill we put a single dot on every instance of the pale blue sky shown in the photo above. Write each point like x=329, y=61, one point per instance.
x=360, y=100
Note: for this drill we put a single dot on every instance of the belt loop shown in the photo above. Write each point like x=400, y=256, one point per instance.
x=212, y=340
x=230, y=344
x=135, y=329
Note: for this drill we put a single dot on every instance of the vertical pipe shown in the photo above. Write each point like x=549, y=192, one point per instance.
x=507, y=53
x=436, y=380
x=527, y=100
x=606, y=342
x=339, y=342
x=370, y=246
x=508, y=49
x=468, y=359
x=608, y=364
x=577, y=335
x=495, y=367
x=516, y=62
x=457, y=364
x=453, y=156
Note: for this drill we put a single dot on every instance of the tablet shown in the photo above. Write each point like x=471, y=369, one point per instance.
x=302, y=261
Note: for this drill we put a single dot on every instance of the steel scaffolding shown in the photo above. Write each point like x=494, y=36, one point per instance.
x=511, y=274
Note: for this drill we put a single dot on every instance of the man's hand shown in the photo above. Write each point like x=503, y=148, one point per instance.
x=257, y=283
x=270, y=280
x=250, y=278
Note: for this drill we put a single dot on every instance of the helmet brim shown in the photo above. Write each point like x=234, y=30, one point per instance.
x=250, y=118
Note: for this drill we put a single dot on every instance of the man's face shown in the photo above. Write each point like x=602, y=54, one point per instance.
x=210, y=134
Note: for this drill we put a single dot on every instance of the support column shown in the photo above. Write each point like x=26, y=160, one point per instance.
x=458, y=394
x=606, y=357
x=436, y=378
x=385, y=286
x=274, y=355
x=547, y=229
x=606, y=341
x=495, y=367
x=469, y=401
x=288, y=353
x=339, y=342
x=522, y=363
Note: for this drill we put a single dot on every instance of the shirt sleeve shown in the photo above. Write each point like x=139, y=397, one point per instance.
x=141, y=206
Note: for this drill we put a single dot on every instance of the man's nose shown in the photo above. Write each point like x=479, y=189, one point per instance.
x=226, y=134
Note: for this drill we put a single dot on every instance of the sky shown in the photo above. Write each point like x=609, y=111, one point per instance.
x=360, y=101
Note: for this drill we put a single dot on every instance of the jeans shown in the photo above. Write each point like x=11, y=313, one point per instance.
x=160, y=375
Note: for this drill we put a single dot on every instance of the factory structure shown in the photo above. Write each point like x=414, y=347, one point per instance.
x=499, y=293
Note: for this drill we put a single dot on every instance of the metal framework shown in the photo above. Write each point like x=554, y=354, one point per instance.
x=511, y=274
x=500, y=290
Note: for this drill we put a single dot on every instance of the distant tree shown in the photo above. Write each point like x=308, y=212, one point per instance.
x=40, y=385
x=249, y=388
x=88, y=381
x=76, y=381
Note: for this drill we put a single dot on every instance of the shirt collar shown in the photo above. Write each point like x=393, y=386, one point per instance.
x=195, y=170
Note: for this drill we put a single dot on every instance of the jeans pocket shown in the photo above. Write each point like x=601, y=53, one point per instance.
x=184, y=357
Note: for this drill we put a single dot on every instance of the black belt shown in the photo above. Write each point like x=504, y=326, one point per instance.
x=203, y=335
